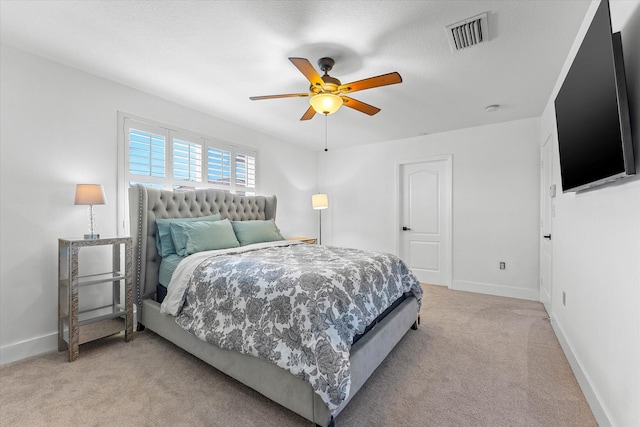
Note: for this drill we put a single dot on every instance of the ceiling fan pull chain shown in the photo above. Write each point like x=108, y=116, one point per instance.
x=326, y=119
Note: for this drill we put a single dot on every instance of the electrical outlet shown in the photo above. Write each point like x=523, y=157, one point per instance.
x=503, y=265
x=564, y=298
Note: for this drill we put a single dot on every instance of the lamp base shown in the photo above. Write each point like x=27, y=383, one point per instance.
x=91, y=236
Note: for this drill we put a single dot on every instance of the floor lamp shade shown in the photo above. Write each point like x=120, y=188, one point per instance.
x=320, y=201
x=90, y=194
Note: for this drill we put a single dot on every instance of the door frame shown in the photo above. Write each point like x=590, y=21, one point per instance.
x=448, y=205
x=545, y=190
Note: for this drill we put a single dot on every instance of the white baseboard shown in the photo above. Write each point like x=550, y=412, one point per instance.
x=599, y=412
x=21, y=350
x=497, y=290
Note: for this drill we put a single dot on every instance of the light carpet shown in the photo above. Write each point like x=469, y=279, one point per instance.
x=476, y=360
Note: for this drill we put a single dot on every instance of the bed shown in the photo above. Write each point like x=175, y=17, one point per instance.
x=295, y=392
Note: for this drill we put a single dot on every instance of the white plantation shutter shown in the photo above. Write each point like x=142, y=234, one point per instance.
x=147, y=155
x=245, y=174
x=187, y=161
x=219, y=167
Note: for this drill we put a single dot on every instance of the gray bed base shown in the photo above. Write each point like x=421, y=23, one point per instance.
x=274, y=382
x=277, y=384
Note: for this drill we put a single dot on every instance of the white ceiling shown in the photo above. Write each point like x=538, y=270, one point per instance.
x=213, y=55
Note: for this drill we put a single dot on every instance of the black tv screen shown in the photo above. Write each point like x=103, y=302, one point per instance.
x=592, y=113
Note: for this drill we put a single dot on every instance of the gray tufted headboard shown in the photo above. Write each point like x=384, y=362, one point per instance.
x=146, y=204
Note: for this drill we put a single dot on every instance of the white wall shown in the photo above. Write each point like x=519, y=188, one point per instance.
x=596, y=260
x=59, y=128
x=495, y=201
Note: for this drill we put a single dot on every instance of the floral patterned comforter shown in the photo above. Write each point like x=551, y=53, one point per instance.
x=296, y=305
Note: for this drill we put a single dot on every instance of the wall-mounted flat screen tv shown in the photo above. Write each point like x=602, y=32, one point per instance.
x=592, y=111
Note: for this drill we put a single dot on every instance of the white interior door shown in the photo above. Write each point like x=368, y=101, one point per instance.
x=425, y=219
x=547, y=193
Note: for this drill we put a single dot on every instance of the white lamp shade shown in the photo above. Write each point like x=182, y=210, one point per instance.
x=325, y=103
x=320, y=201
x=90, y=194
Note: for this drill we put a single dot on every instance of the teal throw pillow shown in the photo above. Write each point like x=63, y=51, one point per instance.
x=257, y=231
x=164, y=241
x=192, y=237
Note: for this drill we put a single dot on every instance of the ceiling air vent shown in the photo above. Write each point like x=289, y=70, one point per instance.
x=469, y=32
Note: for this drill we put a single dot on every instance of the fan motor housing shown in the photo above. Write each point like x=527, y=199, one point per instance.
x=331, y=84
x=326, y=64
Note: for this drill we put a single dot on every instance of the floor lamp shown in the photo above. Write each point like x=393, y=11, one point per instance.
x=319, y=202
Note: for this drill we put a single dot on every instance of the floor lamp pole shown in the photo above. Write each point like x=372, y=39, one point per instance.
x=320, y=226
x=319, y=201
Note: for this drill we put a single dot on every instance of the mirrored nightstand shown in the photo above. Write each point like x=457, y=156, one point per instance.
x=77, y=327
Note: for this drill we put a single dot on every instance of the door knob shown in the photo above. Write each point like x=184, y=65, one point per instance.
x=405, y=229
x=548, y=236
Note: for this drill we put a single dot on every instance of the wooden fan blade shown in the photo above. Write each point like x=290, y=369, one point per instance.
x=308, y=115
x=383, y=80
x=288, y=95
x=309, y=72
x=359, y=105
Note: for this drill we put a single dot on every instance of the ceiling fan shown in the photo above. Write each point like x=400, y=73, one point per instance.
x=327, y=94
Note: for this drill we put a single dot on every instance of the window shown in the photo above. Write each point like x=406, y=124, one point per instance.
x=182, y=163
x=155, y=155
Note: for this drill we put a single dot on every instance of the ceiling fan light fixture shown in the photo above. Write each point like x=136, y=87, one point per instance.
x=326, y=103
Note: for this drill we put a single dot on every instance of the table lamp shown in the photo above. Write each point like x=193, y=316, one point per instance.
x=90, y=194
